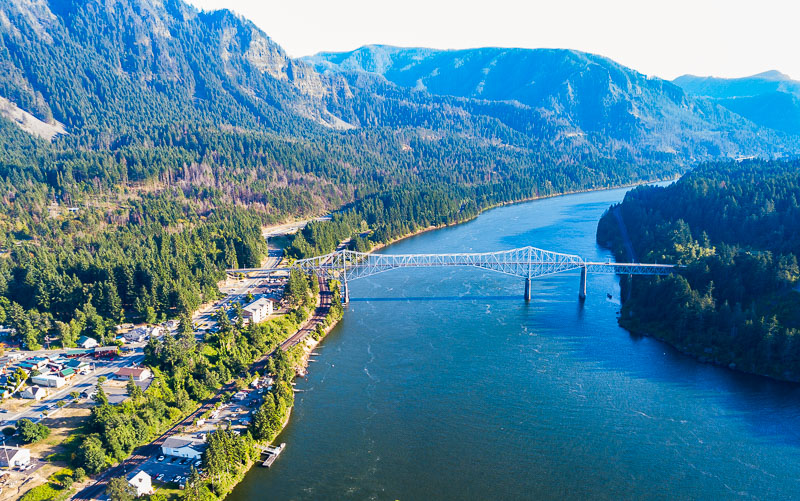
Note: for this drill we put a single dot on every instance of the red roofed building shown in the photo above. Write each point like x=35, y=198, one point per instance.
x=137, y=373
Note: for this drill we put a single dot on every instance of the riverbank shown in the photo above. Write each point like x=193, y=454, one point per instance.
x=703, y=355
x=590, y=409
x=717, y=343
x=426, y=229
x=316, y=327
x=310, y=343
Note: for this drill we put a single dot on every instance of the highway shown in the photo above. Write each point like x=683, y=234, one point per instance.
x=204, y=316
x=80, y=383
x=141, y=454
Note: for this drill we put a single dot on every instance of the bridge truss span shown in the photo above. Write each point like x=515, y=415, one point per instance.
x=525, y=262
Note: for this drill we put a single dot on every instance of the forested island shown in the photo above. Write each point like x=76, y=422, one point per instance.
x=735, y=230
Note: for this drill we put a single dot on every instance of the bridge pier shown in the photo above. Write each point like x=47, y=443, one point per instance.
x=527, y=288
x=345, y=288
x=582, y=288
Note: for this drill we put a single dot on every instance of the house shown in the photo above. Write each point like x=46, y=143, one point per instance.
x=136, y=335
x=76, y=353
x=184, y=447
x=34, y=393
x=34, y=363
x=76, y=364
x=67, y=373
x=49, y=380
x=137, y=373
x=142, y=483
x=258, y=310
x=11, y=457
x=87, y=342
x=156, y=331
x=105, y=351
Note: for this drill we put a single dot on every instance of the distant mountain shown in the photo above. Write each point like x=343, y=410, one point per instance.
x=770, y=99
x=102, y=63
x=617, y=108
x=100, y=69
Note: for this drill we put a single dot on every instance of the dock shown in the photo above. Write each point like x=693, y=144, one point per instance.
x=272, y=454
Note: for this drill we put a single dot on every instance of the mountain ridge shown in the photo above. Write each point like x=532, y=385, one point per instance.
x=586, y=92
x=770, y=99
x=101, y=66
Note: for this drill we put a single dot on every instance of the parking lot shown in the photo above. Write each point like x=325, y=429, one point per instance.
x=169, y=470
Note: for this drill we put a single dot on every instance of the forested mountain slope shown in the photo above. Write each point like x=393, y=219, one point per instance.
x=770, y=99
x=736, y=229
x=185, y=131
x=615, y=108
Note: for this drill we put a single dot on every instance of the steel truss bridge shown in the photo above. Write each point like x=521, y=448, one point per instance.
x=526, y=262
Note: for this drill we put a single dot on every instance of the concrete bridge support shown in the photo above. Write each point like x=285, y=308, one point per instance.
x=582, y=289
x=527, y=288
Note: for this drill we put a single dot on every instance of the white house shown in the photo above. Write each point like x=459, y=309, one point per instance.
x=136, y=335
x=87, y=342
x=258, y=310
x=49, y=380
x=184, y=447
x=142, y=483
x=137, y=373
x=11, y=457
x=156, y=331
x=34, y=392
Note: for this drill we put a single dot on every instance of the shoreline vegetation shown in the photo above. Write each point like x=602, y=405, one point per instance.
x=273, y=416
x=187, y=371
x=733, y=227
x=305, y=348
x=322, y=237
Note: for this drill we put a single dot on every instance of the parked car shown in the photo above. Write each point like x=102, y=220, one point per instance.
x=160, y=477
x=160, y=458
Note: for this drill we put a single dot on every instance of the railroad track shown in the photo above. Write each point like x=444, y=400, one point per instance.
x=141, y=454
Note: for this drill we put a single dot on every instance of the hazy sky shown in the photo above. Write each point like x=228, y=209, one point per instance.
x=666, y=38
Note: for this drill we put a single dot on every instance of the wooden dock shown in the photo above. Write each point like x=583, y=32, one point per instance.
x=272, y=454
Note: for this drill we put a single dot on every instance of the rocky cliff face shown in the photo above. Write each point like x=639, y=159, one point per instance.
x=116, y=65
x=75, y=59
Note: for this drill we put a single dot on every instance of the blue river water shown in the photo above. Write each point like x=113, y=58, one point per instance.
x=444, y=384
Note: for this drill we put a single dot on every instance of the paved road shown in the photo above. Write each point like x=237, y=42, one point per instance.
x=80, y=383
x=626, y=240
x=140, y=455
x=287, y=228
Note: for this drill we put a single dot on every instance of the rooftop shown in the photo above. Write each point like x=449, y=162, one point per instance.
x=131, y=371
x=178, y=442
x=257, y=304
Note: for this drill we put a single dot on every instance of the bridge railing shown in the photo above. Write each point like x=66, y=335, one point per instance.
x=526, y=262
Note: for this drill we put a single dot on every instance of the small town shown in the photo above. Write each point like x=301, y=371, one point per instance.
x=56, y=389
x=421, y=250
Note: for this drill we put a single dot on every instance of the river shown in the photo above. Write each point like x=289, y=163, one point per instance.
x=444, y=384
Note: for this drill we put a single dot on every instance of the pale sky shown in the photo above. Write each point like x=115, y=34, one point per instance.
x=665, y=38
